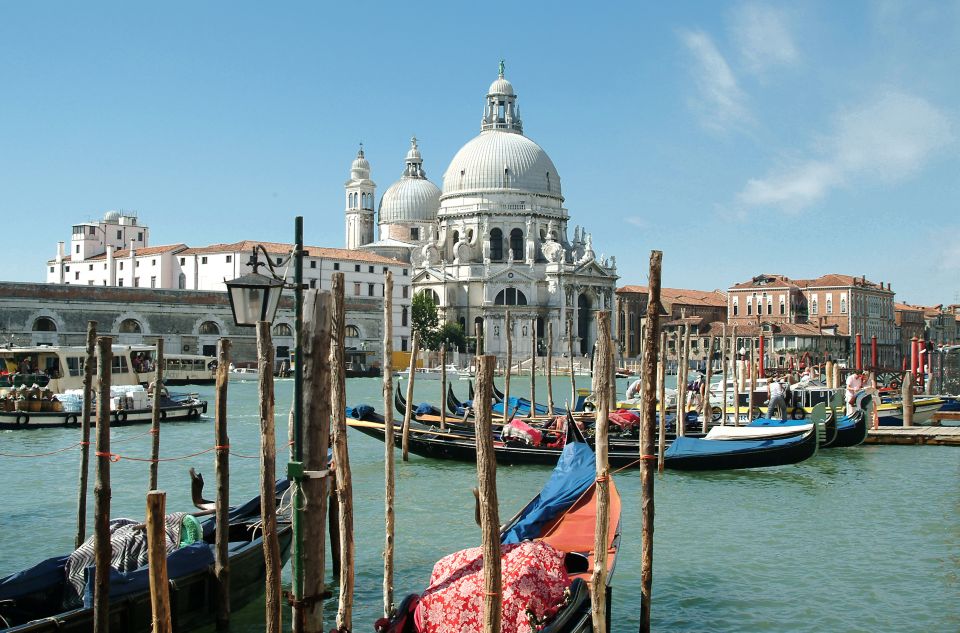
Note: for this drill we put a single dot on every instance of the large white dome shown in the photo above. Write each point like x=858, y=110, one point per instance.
x=500, y=160
x=410, y=199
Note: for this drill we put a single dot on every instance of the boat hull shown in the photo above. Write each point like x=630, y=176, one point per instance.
x=18, y=420
x=701, y=454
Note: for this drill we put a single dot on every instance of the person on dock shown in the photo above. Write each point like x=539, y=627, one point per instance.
x=777, y=400
x=635, y=389
x=855, y=383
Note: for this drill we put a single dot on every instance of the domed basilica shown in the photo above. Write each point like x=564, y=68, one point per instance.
x=494, y=239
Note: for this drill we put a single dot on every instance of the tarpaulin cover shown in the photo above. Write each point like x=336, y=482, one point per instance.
x=521, y=431
x=522, y=407
x=694, y=447
x=574, y=473
x=534, y=580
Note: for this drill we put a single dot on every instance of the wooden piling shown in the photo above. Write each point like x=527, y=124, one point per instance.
x=751, y=413
x=508, y=327
x=388, y=458
x=533, y=368
x=155, y=417
x=316, y=335
x=341, y=459
x=661, y=400
x=646, y=441
x=837, y=383
x=221, y=566
x=736, y=379
x=408, y=413
x=157, y=560
x=549, y=368
x=489, y=506
x=268, y=476
x=723, y=365
x=907, y=392
x=89, y=364
x=682, y=364
x=102, y=491
x=573, y=379
x=598, y=581
x=443, y=386
x=705, y=388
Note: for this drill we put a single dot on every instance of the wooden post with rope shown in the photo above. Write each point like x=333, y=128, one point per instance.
x=661, y=400
x=533, y=368
x=221, y=566
x=317, y=309
x=598, y=581
x=89, y=364
x=102, y=492
x=549, y=368
x=268, y=477
x=408, y=412
x=388, y=457
x=705, y=387
x=646, y=441
x=155, y=417
x=443, y=386
x=489, y=506
x=341, y=458
x=508, y=326
x=157, y=561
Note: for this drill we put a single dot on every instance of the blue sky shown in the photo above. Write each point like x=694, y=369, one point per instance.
x=739, y=138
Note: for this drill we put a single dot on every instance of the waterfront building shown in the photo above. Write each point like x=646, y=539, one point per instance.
x=910, y=323
x=494, y=238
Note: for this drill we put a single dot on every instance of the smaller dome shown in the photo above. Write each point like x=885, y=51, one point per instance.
x=501, y=86
x=410, y=200
x=360, y=168
x=111, y=216
x=414, y=153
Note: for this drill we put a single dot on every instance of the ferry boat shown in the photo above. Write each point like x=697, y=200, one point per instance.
x=178, y=369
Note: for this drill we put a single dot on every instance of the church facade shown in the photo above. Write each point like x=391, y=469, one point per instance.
x=494, y=239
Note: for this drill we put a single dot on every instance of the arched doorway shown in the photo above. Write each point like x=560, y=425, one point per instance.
x=584, y=306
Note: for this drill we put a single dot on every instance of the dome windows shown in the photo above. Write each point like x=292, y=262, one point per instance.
x=510, y=297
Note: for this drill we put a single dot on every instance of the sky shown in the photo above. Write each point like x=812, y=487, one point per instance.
x=739, y=138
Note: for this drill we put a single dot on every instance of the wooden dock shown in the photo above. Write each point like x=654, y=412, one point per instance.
x=934, y=435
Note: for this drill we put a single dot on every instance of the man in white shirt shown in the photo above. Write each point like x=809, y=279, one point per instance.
x=777, y=402
x=634, y=390
x=855, y=383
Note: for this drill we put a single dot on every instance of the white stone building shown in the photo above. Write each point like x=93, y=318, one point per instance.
x=495, y=238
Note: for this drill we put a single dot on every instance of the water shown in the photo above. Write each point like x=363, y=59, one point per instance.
x=862, y=539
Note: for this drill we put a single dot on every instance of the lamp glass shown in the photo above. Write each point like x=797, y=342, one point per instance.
x=254, y=298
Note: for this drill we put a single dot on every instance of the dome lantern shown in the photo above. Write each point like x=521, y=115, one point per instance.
x=500, y=111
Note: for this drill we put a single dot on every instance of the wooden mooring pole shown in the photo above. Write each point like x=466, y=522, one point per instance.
x=751, y=414
x=341, y=458
x=573, y=379
x=408, y=413
x=443, y=386
x=155, y=417
x=533, y=367
x=101, y=491
x=157, y=560
x=705, y=387
x=682, y=361
x=268, y=477
x=661, y=398
x=508, y=326
x=723, y=363
x=550, y=368
x=907, y=393
x=388, y=458
x=221, y=566
x=737, y=387
x=89, y=364
x=489, y=506
x=601, y=389
x=646, y=441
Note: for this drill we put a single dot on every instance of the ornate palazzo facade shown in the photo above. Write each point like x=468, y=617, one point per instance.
x=496, y=238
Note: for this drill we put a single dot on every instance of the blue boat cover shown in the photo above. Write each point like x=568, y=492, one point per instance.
x=775, y=422
x=696, y=447
x=360, y=412
x=40, y=577
x=522, y=406
x=574, y=474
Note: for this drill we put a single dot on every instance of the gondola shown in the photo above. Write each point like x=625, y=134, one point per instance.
x=423, y=408
x=32, y=600
x=689, y=453
x=829, y=427
x=558, y=525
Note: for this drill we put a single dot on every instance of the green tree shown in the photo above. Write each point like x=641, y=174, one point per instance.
x=454, y=336
x=425, y=320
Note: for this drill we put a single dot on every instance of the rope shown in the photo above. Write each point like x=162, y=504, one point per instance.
x=244, y=456
x=59, y=450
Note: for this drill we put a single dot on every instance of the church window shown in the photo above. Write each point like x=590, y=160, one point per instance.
x=209, y=328
x=351, y=331
x=516, y=243
x=415, y=233
x=403, y=317
x=496, y=245
x=510, y=297
x=130, y=326
x=44, y=324
x=432, y=295
x=282, y=329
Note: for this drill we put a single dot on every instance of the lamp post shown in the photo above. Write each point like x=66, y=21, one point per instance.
x=255, y=297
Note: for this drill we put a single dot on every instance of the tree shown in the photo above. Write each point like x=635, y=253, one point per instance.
x=453, y=335
x=425, y=320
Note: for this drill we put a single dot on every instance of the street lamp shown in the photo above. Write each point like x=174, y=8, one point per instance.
x=254, y=297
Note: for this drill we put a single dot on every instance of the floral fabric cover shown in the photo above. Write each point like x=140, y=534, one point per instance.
x=534, y=581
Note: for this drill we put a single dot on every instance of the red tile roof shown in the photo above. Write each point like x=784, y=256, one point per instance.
x=682, y=295
x=279, y=248
x=138, y=252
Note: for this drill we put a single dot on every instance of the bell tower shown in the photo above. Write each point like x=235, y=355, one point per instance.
x=360, y=192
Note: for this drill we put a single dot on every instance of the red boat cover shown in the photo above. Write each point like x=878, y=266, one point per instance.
x=521, y=431
x=533, y=576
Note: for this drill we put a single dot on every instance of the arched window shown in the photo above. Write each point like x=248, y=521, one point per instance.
x=432, y=295
x=843, y=305
x=456, y=237
x=130, y=326
x=510, y=297
x=351, y=331
x=209, y=327
x=282, y=329
x=404, y=317
x=496, y=245
x=182, y=281
x=516, y=243
x=44, y=324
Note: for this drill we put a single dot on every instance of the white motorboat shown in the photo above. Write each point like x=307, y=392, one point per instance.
x=430, y=373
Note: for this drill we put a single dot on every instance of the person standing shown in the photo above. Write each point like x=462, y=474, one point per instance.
x=777, y=402
x=855, y=383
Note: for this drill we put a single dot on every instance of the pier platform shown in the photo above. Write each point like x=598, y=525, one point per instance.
x=935, y=435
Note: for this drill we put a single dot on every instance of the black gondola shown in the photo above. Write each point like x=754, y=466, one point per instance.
x=688, y=453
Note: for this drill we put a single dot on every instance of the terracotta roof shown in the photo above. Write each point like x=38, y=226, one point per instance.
x=279, y=248
x=766, y=281
x=790, y=329
x=682, y=295
x=907, y=307
x=138, y=252
x=782, y=281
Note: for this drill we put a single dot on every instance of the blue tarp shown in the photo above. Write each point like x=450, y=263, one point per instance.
x=574, y=474
x=41, y=576
x=775, y=422
x=696, y=447
x=522, y=406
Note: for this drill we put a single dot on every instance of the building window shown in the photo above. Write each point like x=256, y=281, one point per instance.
x=370, y=290
x=516, y=244
x=313, y=263
x=203, y=260
x=384, y=270
x=183, y=261
x=76, y=275
x=405, y=291
x=136, y=264
x=783, y=308
x=431, y=294
x=813, y=306
x=209, y=328
x=510, y=297
x=736, y=308
x=120, y=283
x=130, y=326
x=229, y=258
x=153, y=282
x=90, y=267
x=121, y=266
x=370, y=269
x=356, y=268
x=769, y=307
x=405, y=272
x=78, y=249
x=749, y=307
x=496, y=245
x=93, y=230
x=829, y=306
x=415, y=233
x=182, y=281
x=336, y=265
x=119, y=235
x=403, y=344
x=140, y=236
x=51, y=269
x=843, y=305
x=44, y=324
x=313, y=283
x=351, y=331
x=153, y=262
x=403, y=317
x=136, y=282
x=282, y=329
x=356, y=289
x=119, y=365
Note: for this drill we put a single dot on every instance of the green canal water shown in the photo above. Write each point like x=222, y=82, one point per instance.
x=860, y=539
